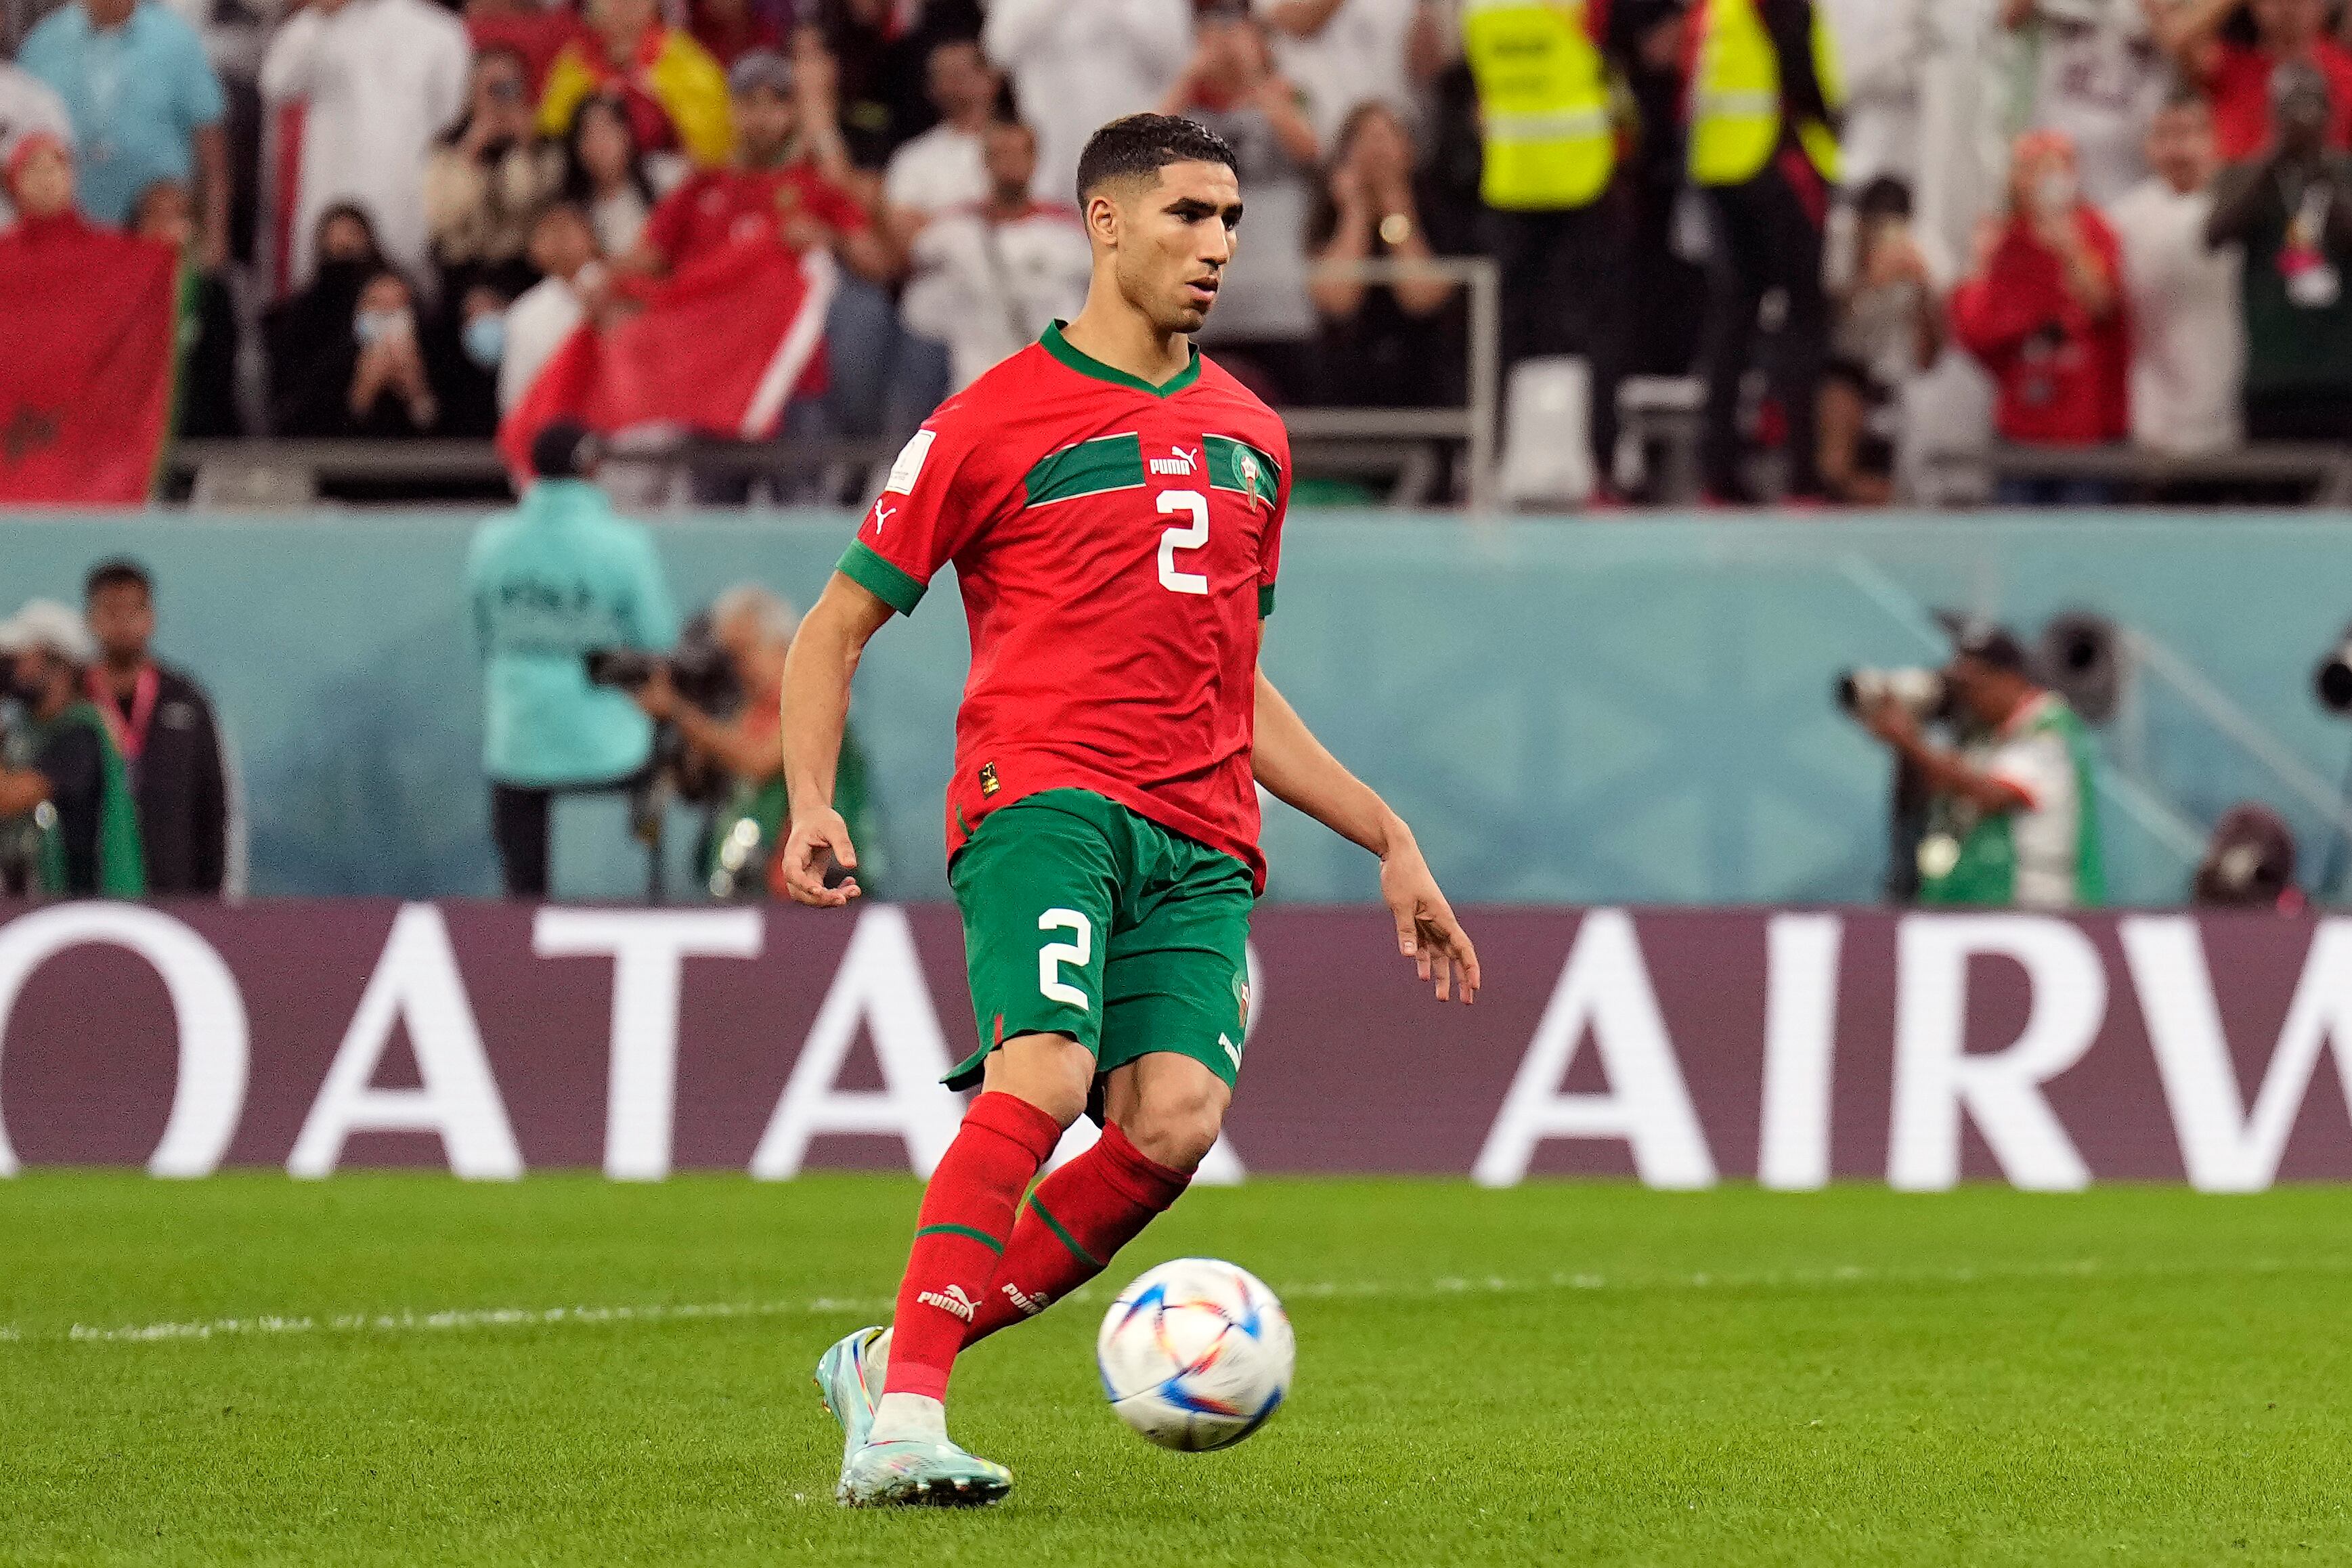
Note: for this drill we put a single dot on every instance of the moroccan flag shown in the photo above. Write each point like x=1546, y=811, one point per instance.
x=718, y=348
x=86, y=362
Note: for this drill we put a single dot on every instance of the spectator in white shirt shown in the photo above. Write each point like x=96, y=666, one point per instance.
x=564, y=247
x=380, y=80
x=1343, y=53
x=943, y=167
x=1077, y=64
x=2189, y=350
x=990, y=278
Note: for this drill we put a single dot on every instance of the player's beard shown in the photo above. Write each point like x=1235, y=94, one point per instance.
x=1165, y=307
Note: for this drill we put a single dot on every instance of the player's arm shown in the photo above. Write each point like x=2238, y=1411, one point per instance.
x=817, y=672
x=1301, y=773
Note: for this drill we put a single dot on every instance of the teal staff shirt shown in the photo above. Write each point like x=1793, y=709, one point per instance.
x=557, y=576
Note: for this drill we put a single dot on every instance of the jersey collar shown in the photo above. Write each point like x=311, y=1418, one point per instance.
x=1055, y=343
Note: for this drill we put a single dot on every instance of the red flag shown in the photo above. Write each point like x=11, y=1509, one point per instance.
x=718, y=348
x=86, y=377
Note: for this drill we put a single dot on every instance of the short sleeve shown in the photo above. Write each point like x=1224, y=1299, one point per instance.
x=1269, y=547
x=200, y=100
x=918, y=522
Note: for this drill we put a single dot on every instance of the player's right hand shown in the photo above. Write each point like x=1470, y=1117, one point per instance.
x=818, y=840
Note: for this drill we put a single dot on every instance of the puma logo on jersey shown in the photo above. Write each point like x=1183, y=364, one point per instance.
x=1183, y=462
x=1231, y=1051
x=954, y=1302
x=881, y=517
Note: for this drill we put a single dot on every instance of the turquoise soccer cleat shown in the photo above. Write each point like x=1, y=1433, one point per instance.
x=849, y=1378
x=911, y=1473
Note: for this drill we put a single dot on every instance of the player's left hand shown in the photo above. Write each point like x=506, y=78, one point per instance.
x=818, y=835
x=1427, y=931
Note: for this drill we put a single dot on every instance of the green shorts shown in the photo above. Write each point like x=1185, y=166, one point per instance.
x=1083, y=917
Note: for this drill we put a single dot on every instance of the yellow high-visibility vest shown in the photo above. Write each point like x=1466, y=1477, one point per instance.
x=1543, y=104
x=1736, y=98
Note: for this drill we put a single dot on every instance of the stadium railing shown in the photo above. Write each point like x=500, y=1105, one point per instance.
x=1379, y=441
x=2139, y=473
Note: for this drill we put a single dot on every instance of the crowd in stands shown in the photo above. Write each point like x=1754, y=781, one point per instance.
x=1863, y=227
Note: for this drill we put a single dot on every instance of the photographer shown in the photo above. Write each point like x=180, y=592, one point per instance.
x=2012, y=819
x=556, y=579
x=753, y=629
x=63, y=784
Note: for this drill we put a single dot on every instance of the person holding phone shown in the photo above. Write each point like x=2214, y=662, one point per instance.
x=2044, y=312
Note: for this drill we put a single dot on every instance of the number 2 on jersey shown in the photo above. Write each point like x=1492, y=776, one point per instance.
x=1188, y=536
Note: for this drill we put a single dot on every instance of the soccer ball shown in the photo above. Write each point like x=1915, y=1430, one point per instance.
x=1196, y=1355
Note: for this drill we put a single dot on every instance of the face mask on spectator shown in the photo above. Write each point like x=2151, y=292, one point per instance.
x=485, y=339
x=373, y=326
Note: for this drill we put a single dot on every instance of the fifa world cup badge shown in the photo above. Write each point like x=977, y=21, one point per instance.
x=988, y=784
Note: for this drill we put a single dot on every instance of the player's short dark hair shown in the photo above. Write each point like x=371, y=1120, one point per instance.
x=1139, y=146
x=115, y=572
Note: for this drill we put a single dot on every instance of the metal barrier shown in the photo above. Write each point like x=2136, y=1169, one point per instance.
x=2144, y=474
x=281, y=473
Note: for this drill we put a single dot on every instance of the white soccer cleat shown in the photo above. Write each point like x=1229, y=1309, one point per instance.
x=849, y=1378
x=912, y=1472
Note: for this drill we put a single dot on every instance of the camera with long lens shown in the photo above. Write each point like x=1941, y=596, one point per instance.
x=699, y=668
x=2333, y=679
x=1921, y=692
x=704, y=678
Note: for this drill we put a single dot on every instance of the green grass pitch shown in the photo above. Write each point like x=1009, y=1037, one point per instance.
x=409, y=1369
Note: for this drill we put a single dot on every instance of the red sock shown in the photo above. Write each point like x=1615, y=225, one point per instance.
x=1076, y=1219
x=959, y=1236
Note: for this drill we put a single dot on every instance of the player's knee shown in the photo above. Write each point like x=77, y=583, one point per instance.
x=1052, y=1072
x=1178, y=1130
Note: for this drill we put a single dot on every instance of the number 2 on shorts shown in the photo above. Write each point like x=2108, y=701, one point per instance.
x=1054, y=955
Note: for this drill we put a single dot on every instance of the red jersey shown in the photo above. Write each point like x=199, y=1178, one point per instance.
x=1116, y=544
x=716, y=206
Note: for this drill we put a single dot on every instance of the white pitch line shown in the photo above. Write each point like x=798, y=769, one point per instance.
x=460, y=1319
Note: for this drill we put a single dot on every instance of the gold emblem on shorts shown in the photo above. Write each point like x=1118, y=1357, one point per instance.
x=988, y=784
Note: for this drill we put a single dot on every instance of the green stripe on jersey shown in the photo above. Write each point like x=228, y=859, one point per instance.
x=1089, y=468
x=1238, y=466
x=884, y=579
